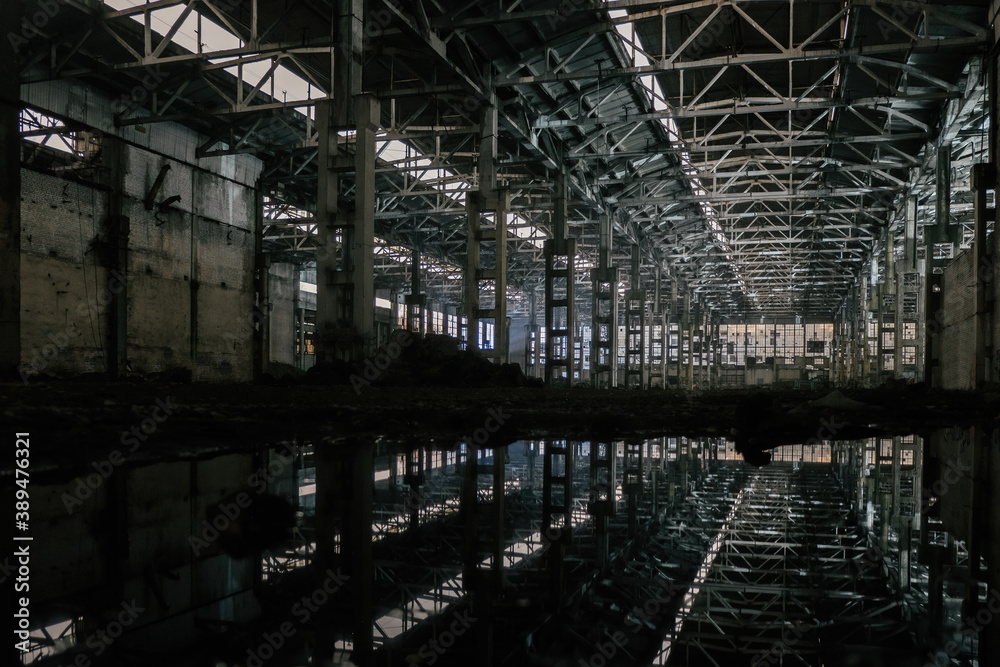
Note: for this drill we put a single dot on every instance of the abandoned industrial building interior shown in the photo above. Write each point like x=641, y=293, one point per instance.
x=563, y=333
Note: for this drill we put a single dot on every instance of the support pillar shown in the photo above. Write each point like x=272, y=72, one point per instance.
x=489, y=199
x=635, y=329
x=940, y=247
x=557, y=512
x=602, y=496
x=658, y=335
x=416, y=300
x=910, y=296
x=888, y=340
x=477, y=205
x=632, y=483
x=414, y=478
x=689, y=329
x=344, y=509
x=604, y=314
x=345, y=297
x=531, y=338
x=984, y=177
x=560, y=258
x=673, y=369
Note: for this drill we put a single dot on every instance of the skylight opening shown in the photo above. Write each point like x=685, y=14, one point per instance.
x=657, y=100
x=286, y=85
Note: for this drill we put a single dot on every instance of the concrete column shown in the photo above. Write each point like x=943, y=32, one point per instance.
x=657, y=335
x=604, y=313
x=10, y=193
x=635, y=329
x=911, y=264
x=886, y=313
x=302, y=337
x=531, y=338
x=496, y=519
x=344, y=481
x=118, y=229
x=345, y=298
x=358, y=550
x=488, y=198
x=940, y=232
x=560, y=257
x=557, y=511
x=416, y=301
x=984, y=177
x=360, y=270
x=672, y=318
x=717, y=347
x=476, y=204
x=689, y=327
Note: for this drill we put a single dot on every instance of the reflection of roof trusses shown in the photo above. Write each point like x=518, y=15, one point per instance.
x=755, y=151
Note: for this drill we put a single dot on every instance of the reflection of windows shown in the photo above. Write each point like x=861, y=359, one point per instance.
x=815, y=346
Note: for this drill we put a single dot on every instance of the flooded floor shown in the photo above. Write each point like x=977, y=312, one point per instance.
x=402, y=549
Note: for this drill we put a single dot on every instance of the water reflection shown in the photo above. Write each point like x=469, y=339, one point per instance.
x=668, y=551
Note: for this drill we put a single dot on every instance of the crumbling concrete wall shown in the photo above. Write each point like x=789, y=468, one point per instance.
x=957, y=334
x=190, y=265
x=958, y=323
x=64, y=289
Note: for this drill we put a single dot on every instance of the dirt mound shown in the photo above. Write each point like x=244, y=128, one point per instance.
x=434, y=360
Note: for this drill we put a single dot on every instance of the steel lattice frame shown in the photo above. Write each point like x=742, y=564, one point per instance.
x=779, y=139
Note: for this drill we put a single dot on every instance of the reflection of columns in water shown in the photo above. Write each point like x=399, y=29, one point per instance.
x=557, y=510
x=414, y=478
x=602, y=496
x=632, y=482
x=344, y=502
